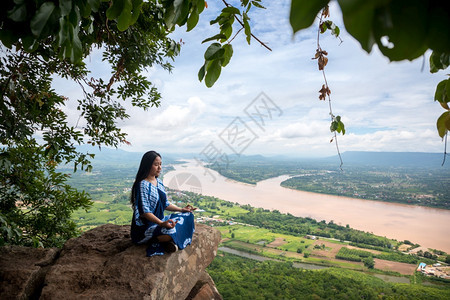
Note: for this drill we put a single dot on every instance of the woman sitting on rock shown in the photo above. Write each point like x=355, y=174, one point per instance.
x=149, y=200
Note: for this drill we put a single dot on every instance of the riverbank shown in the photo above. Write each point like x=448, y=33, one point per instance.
x=393, y=183
x=422, y=225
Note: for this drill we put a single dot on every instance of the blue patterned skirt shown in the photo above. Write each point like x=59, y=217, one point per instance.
x=181, y=234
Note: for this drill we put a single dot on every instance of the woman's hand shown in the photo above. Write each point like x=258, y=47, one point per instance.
x=168, y=224
x=188, y=208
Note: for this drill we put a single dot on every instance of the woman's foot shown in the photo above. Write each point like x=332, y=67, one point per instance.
x=170, y=247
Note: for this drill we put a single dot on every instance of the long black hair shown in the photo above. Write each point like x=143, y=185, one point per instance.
x=144, y=169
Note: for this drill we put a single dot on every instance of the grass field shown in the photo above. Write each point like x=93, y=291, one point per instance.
x=290, y=248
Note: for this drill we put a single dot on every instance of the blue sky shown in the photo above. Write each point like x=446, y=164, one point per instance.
x=385, y=106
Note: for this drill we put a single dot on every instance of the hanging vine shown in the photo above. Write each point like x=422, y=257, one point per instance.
x=337, y=126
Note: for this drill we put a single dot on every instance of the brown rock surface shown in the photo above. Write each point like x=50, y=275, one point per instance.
x=104, y=264
x=204, y=289
x=22, y=270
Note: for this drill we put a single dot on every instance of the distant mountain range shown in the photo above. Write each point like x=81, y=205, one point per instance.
x=358, y=158
x=394, y=159
x=362, y=158
x=118, y=156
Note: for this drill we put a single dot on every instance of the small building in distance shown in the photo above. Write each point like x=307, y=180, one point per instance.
x=436, y=270
x=421, y=266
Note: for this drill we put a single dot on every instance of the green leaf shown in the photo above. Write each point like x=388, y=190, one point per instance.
x=84, y=7
x=404, y=25
x=333, y=126
x=176, y=13
x=124, y=19
x=214, y=51
x=202, y=71
x=77, y=49
x=435, y=62
x=192, y=20
x=304, y=12
x=63, y=31
x=247, y=30
x=41, y=17
x=442, y=91
x=8, y=38
x=226, y=29
x=216, y=37
x=227, y=55
x=231, y=10
x=439, y=61
x=336, y=31
x=18, y=13
x=443, y=124
x=438, y=25
x=94, y=4
x=358, y=18
x=66, y=6
x=447, y=89
x=169, y=17
x=212, y=72
x=200, y=4
x=258, y=5
x=182, y=12
x=341, y=128
x=30, y=44
x=216, y=20
x=115, y=9
x=137, y=5
x=337, y=125
x=75, y=17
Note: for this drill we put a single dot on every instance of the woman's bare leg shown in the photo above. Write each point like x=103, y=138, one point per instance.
x=167, y=243
x=164, y=238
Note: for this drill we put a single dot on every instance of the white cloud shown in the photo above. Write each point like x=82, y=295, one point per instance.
x=176, y=117
x=394, y=140
x=303, y=129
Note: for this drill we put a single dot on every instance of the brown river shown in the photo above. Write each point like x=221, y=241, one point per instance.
x=428, y=227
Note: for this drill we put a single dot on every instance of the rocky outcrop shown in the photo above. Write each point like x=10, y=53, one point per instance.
x=104, y=264
x=23, y=270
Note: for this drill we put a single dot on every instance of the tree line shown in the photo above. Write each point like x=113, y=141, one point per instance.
x=241, y=278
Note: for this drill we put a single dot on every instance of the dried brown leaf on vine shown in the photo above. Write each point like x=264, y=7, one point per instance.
x=317, y=54
x=324, y=92
x=326, y=12
x=322, y=60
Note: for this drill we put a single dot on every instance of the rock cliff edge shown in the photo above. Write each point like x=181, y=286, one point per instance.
x=103, y=264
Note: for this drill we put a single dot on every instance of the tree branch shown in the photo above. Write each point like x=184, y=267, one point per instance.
x=240, y=22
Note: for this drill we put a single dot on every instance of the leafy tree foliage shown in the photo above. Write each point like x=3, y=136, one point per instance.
x=447, y=259
x=242, y=278
x=369, y=262
x=45, y=39
x=42, y=40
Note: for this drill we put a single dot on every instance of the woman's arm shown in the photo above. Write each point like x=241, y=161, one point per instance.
x=167, y=224
x=173, y=207
x=187, y=208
